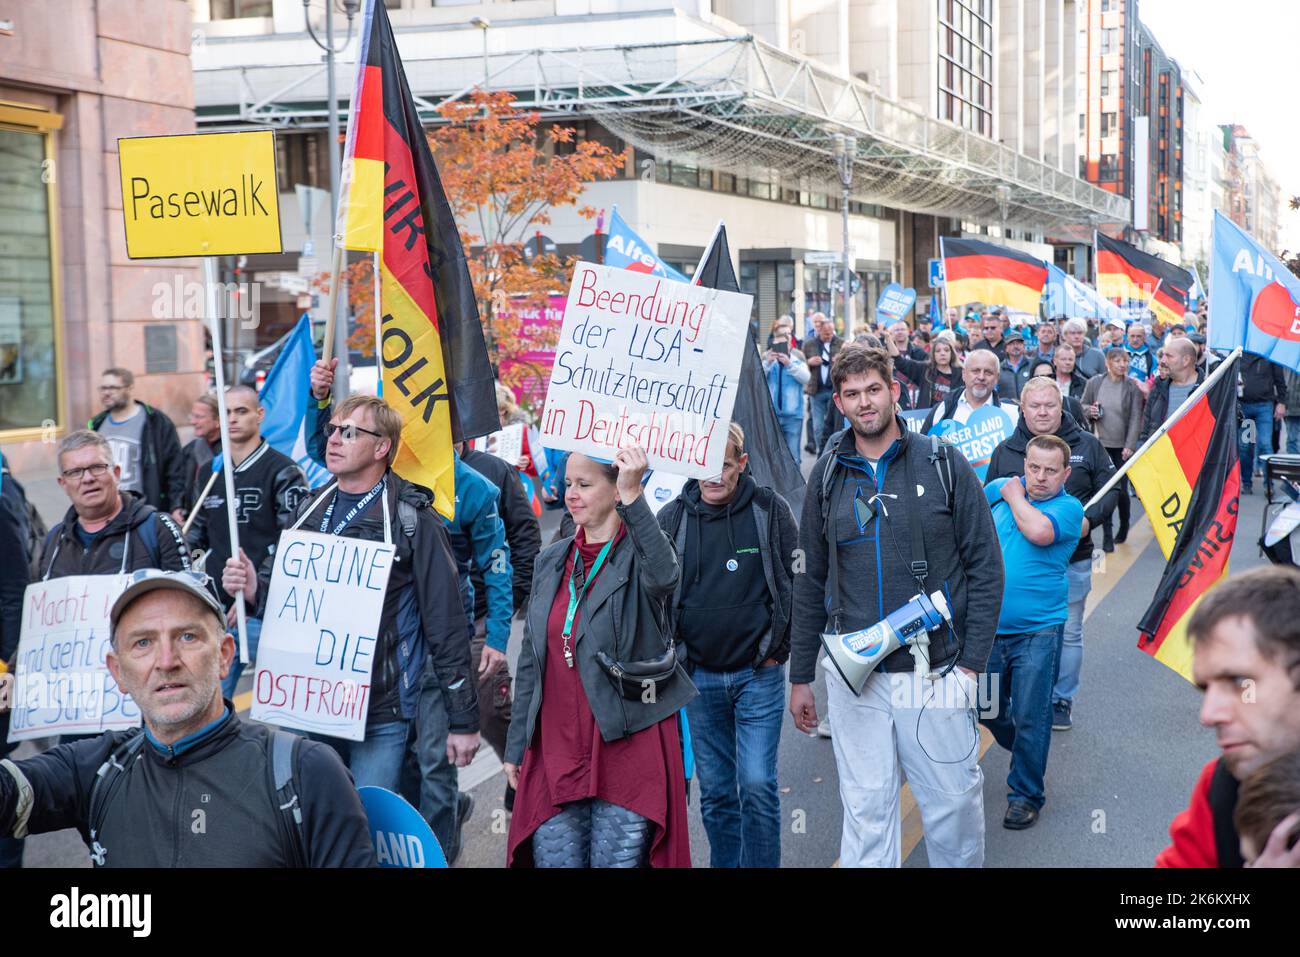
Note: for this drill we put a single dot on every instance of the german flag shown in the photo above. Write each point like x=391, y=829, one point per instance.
x=975, y=271
x=1189, y=481
x=1125, y=272
x=435, y=366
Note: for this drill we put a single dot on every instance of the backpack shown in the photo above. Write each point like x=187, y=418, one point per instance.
x=34, y=540
x=283, y=756
x=938, y=458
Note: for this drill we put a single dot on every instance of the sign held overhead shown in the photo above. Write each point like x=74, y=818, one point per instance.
x=202, y=194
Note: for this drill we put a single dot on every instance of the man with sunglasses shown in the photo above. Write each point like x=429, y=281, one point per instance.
x=107, y=530
x=144, y=442
x=423, y=621
x=269, y=486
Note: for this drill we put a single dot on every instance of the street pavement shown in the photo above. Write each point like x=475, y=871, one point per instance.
x=1114, y=782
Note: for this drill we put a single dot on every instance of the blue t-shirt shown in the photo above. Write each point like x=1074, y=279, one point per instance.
x=1035, y=594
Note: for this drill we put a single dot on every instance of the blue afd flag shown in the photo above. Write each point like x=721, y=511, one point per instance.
x=624, y=249
x=1256, y=301
x=290, y=411
x=1068, y=297
x=936, y=320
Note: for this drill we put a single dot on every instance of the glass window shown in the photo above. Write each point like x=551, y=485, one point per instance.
x=1109, y=124
x=28, y=386
x=232, y=9
x=1108, y=168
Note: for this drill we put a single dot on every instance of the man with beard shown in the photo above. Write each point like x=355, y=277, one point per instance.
x=879, y=493
x=145, y=445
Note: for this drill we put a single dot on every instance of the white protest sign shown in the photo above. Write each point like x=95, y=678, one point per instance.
x=661, y=488
x=646, y=361
x=61, y=684
x=319, y=633
x=508, y=444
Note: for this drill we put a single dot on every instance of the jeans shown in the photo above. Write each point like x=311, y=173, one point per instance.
x=431, y=782
x=376, y=761
x=1079, y=577
x=735, y=728
x=254, y=634
x=1293, y=435
x=790, y=429
x=1261, y=413
x=820, y=403
x=1025, y=668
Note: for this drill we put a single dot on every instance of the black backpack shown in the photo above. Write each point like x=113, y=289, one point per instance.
x=283, y=747
x=34, y=540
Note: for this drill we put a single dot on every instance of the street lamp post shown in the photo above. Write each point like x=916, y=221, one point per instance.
x=350, y=8
x=846, y=148
x=483, y=23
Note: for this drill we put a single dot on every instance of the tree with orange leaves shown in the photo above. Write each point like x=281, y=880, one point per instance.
x=502, y=177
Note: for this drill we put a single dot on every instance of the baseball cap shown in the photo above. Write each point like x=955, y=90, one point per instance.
x=152, y=579
x=1013, y=333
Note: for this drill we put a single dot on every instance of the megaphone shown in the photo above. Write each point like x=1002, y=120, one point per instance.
x=856, y=654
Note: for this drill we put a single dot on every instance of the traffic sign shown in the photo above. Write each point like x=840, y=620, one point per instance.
x=823, y=259
x=936, y=273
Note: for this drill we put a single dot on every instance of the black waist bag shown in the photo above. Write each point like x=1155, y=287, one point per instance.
x=632, y=679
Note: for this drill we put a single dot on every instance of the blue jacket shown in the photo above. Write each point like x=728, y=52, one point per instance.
x=785, y=383
x=478, y=537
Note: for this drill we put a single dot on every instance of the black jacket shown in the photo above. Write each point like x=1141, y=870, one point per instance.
x=1261, y=380
x=423, y=614
x=162, y=463
x=13, y=559
x=961, y=547
x=778, y=539
x=624, y=614
x=198, y=453
x=1157, y=408
x=523, y=533
x=211, y=805
x=1090, y=469
x=159, y=546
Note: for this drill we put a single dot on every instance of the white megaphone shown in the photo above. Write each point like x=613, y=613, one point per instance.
x=856, y=655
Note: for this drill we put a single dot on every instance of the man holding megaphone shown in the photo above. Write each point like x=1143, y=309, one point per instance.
x=902, y=586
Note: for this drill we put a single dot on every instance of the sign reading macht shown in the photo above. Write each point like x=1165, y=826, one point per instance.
x=200, y=194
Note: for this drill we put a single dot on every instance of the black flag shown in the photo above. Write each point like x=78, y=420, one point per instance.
x=769, y=457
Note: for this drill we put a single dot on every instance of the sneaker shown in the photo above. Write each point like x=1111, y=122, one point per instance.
x=1020, y=816
x=824, y=728
x=1061, y=716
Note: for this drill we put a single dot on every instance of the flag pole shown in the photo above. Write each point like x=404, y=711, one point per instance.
x=194, y=512
x=228, y=470
x=1165, y=426
x=379, y=370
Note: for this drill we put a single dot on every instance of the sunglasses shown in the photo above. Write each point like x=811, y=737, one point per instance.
x=349, y=431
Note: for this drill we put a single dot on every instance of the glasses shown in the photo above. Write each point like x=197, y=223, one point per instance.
x=96, y=471
x=111, y=388
x=349, y=431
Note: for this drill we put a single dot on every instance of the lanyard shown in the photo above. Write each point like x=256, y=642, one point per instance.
x=353, y=512
x=576, y=596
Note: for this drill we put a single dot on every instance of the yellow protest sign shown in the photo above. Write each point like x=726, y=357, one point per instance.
x=202, y=194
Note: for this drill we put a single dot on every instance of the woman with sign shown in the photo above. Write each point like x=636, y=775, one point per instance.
x=594, y=748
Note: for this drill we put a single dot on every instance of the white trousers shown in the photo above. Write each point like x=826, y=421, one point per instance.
x=929, y=730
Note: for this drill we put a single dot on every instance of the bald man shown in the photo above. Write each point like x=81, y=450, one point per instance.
x=268, y=488
x=1168, y=394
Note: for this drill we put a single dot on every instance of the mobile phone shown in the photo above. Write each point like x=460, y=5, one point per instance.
x=781, y=347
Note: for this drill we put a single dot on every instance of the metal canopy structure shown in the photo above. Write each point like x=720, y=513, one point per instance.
x=734, y=104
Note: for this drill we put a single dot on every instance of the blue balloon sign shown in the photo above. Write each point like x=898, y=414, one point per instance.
x=402, y=838
x=987, y=428
x=895, y=302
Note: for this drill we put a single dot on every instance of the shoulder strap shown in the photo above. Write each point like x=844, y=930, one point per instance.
x=408, y=516
x=920, y=568
x=105, y=785
x=829, y=504
x=943, y=465
x=284, y=753
x=149, y=536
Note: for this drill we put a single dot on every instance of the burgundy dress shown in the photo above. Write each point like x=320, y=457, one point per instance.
x=567, y=760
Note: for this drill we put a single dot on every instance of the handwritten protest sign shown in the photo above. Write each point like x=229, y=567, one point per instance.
x=319, y=633
x=61, y=684
x=976, y=438
x=646, y=361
